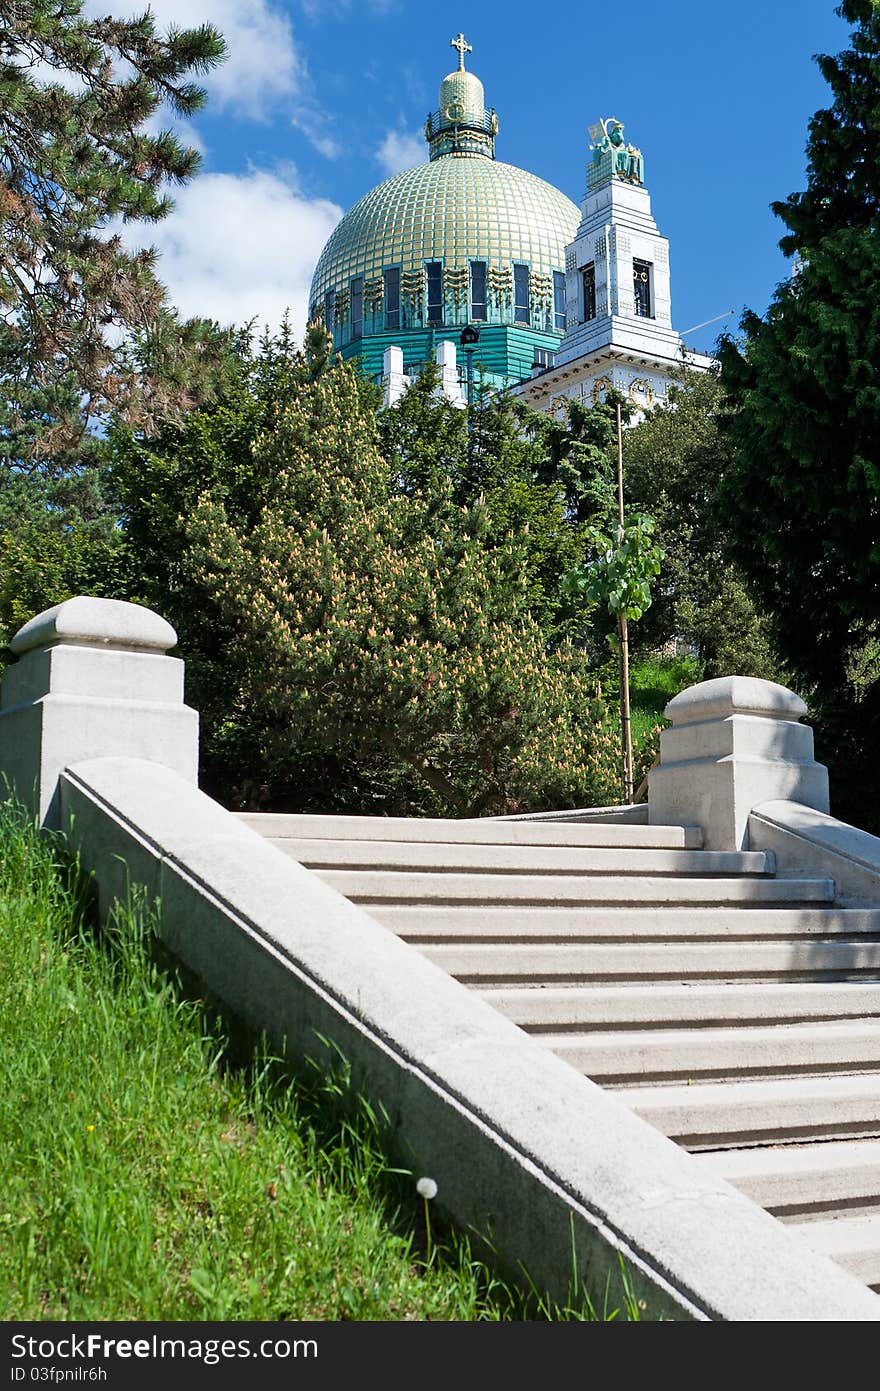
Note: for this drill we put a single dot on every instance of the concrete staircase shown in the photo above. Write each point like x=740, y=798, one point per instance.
x=736, y=1011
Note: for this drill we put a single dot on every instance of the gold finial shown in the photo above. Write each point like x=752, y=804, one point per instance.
x=463, y=48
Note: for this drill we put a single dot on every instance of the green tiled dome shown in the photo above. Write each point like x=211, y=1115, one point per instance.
x=461, y=239
x=455, y=209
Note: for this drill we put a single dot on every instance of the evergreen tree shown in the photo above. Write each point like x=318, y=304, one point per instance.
x=803, y=487
x=497, y=454
x=155, y=482
x=371, y=621
x=673, y=461
x=87, y=328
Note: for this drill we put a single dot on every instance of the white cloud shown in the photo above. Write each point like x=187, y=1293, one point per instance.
x=401, y=150
x=315, y=126
x=239, y=247
x=263, y=65
x=338, y=9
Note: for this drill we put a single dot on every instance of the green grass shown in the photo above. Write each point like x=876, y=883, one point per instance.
x=149, y=1173
x=653, y=683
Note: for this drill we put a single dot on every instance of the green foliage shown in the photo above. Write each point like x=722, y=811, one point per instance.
x=58, y=536
x=803, y=492
x=157, y=481
x=367, y=566
x=87, y=327
x=248, y=1194
x=370, y=619
x=620, y=567
x=502, y=463
x=675, y=460
x=40, y=566
x=581, y=452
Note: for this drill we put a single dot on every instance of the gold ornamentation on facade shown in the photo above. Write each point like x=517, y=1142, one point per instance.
x=600, y=385
x=412, y=287
x=374, y=292
x=500, y=280
x=641, y=392
x=456, y=284
x=541, y=289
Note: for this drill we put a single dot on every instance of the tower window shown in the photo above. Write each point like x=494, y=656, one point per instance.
x=589, y=279
x=559, y=301
x=478, y=290
x=521, y=310
x=434, y=271
x=642, y=289
x=357, y=307
x=329, y=303
x=392, y=297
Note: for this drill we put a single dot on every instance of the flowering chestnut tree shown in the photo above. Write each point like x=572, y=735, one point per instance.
x=368, y=617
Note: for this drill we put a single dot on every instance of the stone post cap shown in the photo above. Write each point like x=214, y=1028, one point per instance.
x=85, y=622
x=734, y=695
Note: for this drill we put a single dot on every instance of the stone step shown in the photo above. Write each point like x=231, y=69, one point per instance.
x=461, y=922
x=484, y=963
x=521, y=859
x=791, y=1178
x=538, y=1008
x=651, y=1055
x=482, y=831
x=709, y=1115
x=377, y=886
x=853, y=1242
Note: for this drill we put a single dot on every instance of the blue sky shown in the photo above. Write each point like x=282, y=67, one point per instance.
x=321, y=99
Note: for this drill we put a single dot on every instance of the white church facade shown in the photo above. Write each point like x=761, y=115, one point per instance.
x=618, y=299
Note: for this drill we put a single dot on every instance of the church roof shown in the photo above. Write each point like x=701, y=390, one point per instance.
x=461, y=205
x=455, y=209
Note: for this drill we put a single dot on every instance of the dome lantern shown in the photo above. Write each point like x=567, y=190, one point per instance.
x=461, y=124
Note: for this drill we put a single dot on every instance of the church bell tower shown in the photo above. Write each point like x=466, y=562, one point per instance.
x=618, y=311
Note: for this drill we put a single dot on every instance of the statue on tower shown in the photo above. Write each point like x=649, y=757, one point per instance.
x=612, y=155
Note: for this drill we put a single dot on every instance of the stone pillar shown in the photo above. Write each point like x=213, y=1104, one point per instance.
x=446, y=356
x=394, y=380
x=734, y=743
x=92, y=681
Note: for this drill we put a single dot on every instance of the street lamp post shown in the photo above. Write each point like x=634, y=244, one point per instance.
x=469, y=339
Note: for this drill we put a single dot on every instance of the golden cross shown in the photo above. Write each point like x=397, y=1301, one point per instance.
x=463, y=48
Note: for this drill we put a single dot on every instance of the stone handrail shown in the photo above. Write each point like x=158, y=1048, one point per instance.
x=804, y=838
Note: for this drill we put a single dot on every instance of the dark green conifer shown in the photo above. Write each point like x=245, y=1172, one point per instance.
x=86, y=323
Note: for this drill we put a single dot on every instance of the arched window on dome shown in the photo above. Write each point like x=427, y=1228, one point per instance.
x=478, y=290
x=522, y=313
x=434, y=273
x=357, y=307
x=391, y=278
